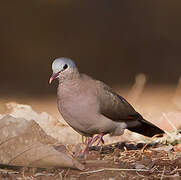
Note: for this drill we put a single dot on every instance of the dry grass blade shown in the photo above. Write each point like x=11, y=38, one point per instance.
x=162, y=173
x=171, y=124
x=116, y=169
x=8, y=171
x=140, y=175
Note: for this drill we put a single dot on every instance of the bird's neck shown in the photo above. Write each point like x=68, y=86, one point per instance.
x=69, y=86
x=69, y=76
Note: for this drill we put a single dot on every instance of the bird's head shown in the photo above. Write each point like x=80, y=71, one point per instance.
x=62, y=68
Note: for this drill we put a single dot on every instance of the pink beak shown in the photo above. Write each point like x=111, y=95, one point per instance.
x=54, y=76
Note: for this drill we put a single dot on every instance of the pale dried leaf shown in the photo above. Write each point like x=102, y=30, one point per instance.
x=54, y=127
x=24, y=143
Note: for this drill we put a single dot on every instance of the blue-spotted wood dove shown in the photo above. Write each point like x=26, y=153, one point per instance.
x=91, y=107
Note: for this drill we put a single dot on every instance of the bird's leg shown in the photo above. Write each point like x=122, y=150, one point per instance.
x=91, y=141
x=88, y=140
x=89, y=144
x=100, y=136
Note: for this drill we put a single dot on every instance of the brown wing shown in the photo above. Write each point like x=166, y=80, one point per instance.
x=113, y=105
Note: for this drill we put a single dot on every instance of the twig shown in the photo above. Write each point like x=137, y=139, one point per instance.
x=171, y=176
x=179, y=169
x=8, y=171
x=66, y=173
x=171, y=124
x=162, y=173
x=143, y=148
x=60, y=174
x=89, y=172
x=116, y=169
x=172, y=172
x=139, y=174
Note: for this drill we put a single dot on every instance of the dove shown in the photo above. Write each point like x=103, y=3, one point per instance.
x=91, y=107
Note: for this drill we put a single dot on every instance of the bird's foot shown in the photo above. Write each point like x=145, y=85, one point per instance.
x=91, y=141
x=100, y=139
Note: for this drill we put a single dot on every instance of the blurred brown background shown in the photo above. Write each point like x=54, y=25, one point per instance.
x=110, y=40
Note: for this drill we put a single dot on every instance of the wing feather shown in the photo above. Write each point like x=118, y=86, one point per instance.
x=113, y=105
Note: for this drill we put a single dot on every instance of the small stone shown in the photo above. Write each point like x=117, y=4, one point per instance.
x=116, y=152
x=177, y=148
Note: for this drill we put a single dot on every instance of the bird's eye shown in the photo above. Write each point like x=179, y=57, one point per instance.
x=65, y=66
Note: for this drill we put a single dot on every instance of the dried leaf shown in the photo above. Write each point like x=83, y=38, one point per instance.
x=24, y=143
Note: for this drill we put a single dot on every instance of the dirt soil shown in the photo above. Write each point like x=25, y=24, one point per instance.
x=120, y=161
x=117, y=161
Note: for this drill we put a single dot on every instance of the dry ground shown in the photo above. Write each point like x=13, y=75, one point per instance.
x=118, y=162
x=156, y=163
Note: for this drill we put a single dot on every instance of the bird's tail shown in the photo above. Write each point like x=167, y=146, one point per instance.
x=146, y=128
